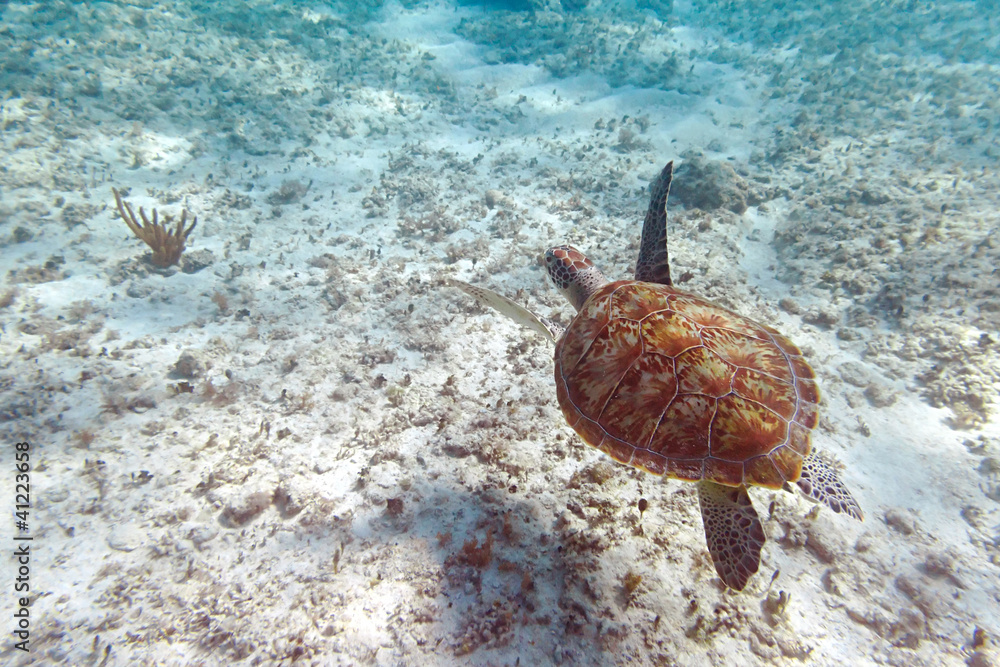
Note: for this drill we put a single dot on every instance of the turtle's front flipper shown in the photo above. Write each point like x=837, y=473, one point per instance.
x=732, y=530
x=513, y=310
x=820, y=482
x=653, y=265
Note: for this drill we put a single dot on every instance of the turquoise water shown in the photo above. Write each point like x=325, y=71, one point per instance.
x=285, y=438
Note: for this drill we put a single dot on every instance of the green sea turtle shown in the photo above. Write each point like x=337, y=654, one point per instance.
x=681, y=387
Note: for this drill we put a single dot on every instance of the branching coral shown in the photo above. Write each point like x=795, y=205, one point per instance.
x=167, y=244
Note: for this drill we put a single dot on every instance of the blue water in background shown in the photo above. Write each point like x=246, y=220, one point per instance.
x=342, y=158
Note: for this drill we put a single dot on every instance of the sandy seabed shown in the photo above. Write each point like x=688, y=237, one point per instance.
x=299, y=446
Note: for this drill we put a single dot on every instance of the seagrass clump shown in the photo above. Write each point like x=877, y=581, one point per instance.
x=167, y=243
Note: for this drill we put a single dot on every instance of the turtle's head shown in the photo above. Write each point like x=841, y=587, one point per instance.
x=574, y=275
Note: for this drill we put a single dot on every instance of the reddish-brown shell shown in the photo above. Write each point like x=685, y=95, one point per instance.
x=678, y=386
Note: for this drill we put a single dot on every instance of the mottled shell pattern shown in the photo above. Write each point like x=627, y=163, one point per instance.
x=679, y=386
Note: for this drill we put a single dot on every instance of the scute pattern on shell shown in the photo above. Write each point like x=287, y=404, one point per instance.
x=678, y=386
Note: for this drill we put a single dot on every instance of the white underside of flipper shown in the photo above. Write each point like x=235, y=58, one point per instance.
x=514, y=311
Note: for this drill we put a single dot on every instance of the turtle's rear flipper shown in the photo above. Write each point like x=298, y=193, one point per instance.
x=732, y=530
x=820, y=482
x=511, y=309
